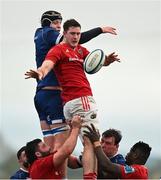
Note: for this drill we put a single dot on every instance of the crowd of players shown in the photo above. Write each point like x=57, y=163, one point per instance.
x=67, y=109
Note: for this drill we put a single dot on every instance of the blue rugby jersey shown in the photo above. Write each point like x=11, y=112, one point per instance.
x=44, y=39
x=118, y=159
x=20, y=174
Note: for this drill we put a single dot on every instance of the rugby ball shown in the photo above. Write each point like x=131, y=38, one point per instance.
x=94, y=61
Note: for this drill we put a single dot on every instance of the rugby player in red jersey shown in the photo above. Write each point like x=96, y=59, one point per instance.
x=43, y=163
x=67, y=60
x=135, y=159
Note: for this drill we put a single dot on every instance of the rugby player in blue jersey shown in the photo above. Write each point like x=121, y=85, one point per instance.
x=22, y=173
x=110, y=144
x=47, y=100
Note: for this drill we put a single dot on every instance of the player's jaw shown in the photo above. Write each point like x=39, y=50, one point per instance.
x=74, y=43
x=128, y=158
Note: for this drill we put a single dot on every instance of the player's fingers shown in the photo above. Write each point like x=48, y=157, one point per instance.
x=113, y=32
x=27, y=72
x=113, y=28
x=27, y=77
x=89, y=128
x=112, y=54
x=93, y=128
x=33, y=71
x=87, y=132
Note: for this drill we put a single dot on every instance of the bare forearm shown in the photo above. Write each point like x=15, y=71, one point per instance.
x=105, y=164
x=46, y=67
x=71, y=142
x=67, y=148
x=101, y=157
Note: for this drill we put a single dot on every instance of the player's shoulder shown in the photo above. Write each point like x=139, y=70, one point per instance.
x=140, y=167
x=135, y=168
x=18, y=174
x=134, y=171
x=80, y=46
x=119, y=159
x=119, y=156
x=46, y=31
x=82, y=49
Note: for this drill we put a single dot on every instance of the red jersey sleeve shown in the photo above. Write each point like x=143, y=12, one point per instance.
x=54, y=54
x=134, y=172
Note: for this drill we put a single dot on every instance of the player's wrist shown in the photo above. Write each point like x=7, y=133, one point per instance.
x=107, y=61
x=76, y=128
x=40, y=74
x=97, y=144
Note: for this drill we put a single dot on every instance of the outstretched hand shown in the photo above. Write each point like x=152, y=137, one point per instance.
x=111, y=58
x=108, y=29
x=76, y=121
x=92, y=134
x=33, y=74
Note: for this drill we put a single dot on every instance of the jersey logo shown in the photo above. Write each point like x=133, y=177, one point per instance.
x=129, y=169
x=80, y=52
x=67, y=51
x=76, y=59
x=93, y=116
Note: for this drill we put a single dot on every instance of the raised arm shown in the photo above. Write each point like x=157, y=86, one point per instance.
x=110, y=169
x=41, y=72
x=88, y=35
x=69, y=145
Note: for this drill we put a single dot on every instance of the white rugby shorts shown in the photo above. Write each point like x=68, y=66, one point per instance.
x=85, y=107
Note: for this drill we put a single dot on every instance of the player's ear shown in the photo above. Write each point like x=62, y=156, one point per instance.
x=38, y=154
x=19, y=160
x=135, y=154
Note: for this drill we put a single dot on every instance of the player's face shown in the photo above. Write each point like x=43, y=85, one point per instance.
x=130, y=157
x=56, y=24
x=72, y=36
x=43, y=149
x=23, y=159
x=108, y=146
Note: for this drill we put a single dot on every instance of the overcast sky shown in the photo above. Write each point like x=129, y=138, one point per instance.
x=127, y=93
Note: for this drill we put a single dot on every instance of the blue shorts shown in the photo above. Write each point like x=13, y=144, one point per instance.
x=48, y=104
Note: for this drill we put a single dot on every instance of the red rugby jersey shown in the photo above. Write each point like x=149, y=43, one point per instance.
x=43, y=168
x=134, y=172
x=69, y=70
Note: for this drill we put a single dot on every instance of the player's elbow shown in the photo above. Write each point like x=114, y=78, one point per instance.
x=68, y=150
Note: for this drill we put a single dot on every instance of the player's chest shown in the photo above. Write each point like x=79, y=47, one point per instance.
x=72, y=56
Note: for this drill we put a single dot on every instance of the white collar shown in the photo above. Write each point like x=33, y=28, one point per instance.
x=114, y=155
x=23, y=170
